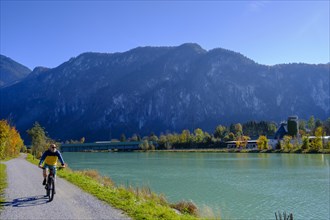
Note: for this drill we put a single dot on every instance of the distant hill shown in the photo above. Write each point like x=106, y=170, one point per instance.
x=11, y=71
x=155, y=89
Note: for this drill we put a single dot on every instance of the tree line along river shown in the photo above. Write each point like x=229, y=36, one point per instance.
x=233, y=185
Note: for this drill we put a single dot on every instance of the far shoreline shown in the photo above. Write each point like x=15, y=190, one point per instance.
x=212, y=150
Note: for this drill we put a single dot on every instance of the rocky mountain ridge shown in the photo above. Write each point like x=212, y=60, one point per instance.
x=159, y=89
x=11, y=72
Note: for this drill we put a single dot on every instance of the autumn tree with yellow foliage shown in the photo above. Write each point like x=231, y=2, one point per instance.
x=11, y=142
x=262, y=142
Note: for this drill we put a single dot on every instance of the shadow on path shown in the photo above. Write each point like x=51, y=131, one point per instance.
x=26, y=201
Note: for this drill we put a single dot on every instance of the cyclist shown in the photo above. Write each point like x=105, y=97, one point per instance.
x=48, y=160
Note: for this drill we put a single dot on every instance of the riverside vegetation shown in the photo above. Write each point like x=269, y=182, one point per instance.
x=201, y=140
x=241, y=134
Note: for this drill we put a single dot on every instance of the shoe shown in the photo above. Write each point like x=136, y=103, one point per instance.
x=44, y=182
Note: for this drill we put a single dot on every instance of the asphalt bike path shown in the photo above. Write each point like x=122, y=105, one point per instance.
x=26, y=197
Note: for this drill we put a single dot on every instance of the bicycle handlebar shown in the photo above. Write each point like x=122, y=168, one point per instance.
x=57, y=167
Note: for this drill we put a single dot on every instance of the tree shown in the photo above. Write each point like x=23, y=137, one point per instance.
x=318, y=123
x=238, y=129
x=199, y=135
x=311, y=123
x=172, y=139
x=11, y=142
x=207, y=138
x=253, y=128
x=305, y=143
x=4, y=138
x=134, y=137
x=271, y=129
x=317, y=142
x=162, y=141
x=185, y=137
x=220, y=132
x=153, y=138
x=15, y=142
x=144, y=145
x=229, y=137
x=287, y=145
x=82, y=140
x=302, y=125
x=242, y=141
x=326, y=126
x=232, y=128
x=122, y=138
x=38, y=139
x=262, y=143
x=169, y=140
x=250, y=128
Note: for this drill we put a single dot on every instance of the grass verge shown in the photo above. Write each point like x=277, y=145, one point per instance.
x=3, y=182
x=135, y=202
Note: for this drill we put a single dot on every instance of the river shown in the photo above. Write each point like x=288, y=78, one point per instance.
x=233, y=185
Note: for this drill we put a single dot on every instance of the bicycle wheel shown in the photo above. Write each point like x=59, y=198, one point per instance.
x=47, y=190
x=51, y=189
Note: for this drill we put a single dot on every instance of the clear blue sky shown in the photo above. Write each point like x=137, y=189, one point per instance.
x=48, y=33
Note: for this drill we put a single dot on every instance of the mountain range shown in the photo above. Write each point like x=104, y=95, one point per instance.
x=11, y=71
x=157, y=89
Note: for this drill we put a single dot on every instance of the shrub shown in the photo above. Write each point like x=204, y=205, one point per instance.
x=186, y=207
x=94, y=174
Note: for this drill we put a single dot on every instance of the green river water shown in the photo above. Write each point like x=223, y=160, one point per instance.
x=233, y=185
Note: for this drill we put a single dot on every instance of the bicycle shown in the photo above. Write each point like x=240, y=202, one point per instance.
x=50, y=183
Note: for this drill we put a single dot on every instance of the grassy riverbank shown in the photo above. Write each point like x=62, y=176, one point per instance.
x=136, y=202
